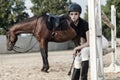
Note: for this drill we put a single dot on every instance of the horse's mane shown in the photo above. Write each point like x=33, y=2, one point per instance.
x=36, y=17
x=30, y=19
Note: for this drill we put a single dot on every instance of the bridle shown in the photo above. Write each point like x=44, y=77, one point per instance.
x=15, y=48
x=8, y=36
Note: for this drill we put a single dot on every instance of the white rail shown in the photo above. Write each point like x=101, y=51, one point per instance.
x=95, y=28
x=96, y=62
x=113, y=66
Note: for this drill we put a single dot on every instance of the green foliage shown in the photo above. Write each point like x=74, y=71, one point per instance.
x=2, y=31
x=49, y=6
x=86, y=14
x=107, y=10
x=11, y=12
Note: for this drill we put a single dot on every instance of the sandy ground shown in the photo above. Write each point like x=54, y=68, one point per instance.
x=28, y=66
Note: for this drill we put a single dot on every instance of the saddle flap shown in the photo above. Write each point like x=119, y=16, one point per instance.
x=57, y=22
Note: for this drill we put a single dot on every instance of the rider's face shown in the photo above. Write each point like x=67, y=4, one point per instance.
x=74, y=16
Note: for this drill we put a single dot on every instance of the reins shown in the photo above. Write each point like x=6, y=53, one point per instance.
x=15, y=48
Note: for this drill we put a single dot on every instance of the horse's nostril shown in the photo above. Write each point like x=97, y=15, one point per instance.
x=9, y=49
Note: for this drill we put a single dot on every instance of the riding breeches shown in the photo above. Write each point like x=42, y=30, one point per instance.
x=81, y=62
x=84, y=56
x=85, y=52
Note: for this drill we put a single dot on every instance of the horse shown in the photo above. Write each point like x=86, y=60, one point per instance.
x=39, y=26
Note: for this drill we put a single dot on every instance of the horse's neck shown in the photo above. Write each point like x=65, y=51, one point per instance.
x=24, y=28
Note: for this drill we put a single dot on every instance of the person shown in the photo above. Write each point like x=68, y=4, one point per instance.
x=82, y=30
x=81, y=52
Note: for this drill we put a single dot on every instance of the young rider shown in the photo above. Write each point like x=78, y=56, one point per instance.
x=82, y=30
x=81, y=62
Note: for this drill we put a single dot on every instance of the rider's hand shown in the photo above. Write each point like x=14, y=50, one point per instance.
x=79, y=54
x=74, y=51
x=74, y=55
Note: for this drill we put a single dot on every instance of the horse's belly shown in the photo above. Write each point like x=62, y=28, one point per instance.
x=61, y=36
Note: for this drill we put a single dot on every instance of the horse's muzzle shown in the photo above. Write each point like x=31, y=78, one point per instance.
x=9, y=49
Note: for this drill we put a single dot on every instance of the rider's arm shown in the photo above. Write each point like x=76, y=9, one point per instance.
x=86, y=44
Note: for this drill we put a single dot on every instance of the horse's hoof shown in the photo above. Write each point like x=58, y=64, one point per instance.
x=44, y=70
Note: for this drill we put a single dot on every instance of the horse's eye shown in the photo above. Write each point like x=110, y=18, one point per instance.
x=7, y=36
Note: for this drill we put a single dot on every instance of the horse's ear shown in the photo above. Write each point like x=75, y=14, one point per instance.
x=6, y=29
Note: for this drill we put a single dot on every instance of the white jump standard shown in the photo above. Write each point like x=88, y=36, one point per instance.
x=96, y=51
x=113, y=66
x=96, y=65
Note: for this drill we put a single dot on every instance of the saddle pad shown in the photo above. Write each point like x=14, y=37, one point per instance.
x=56, y=23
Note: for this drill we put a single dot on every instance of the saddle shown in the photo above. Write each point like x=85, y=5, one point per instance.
x=57, y=22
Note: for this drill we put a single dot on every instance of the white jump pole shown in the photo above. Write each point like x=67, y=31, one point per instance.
x=95, y=28
x=113, y=66
x=93, y=51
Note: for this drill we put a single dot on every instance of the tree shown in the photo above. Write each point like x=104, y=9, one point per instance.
x=107, y=10
x=11, y=12
x=49, y=6
x=86, y=14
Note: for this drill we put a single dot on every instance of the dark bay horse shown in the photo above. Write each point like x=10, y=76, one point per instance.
x=38, y=27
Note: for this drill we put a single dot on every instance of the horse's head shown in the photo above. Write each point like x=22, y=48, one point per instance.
x=11, y=40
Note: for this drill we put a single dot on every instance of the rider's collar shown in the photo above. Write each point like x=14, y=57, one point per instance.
x=76, y=22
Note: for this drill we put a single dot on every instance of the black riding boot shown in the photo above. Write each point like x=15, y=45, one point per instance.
x=76, y=74
x=84, y=70
x=76, y=71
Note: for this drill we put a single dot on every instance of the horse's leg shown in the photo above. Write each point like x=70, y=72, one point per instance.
x=44, y=53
